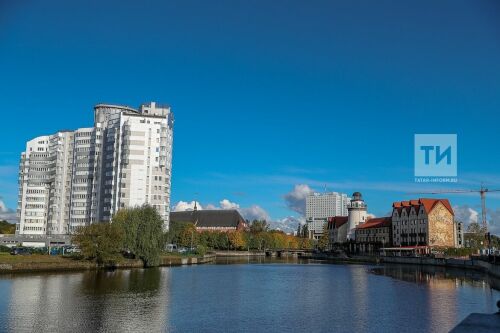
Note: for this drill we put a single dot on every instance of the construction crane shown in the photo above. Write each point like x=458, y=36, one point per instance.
x=482, y=192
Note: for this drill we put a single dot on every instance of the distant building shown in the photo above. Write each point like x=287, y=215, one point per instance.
x=424, y=222
x=211, y=220
x=374, y=234
x=321, y=206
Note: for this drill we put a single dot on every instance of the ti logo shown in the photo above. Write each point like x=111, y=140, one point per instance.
x=435, y=156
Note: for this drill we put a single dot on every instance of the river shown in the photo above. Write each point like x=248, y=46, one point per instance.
x=245, y=296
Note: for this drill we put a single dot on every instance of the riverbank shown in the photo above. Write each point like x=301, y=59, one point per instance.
x=240, y=253
x=471, y=264
x=41, y=263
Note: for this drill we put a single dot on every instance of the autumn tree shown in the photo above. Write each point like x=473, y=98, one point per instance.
x=324, y=240
x=237, y=240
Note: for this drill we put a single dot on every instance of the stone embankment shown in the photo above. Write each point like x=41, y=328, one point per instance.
x=473, y=263
x=38, y=263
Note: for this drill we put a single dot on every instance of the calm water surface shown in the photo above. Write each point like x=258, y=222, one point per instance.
x=265, y=296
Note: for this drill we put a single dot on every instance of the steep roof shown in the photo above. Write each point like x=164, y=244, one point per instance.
x=377, y=222
x=428, y=204
x=337, y=221
x=218, y=218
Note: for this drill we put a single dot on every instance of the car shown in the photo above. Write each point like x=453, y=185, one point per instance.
x=72, y=249
x=20, y=251
x=182, y=250
x=171, y=247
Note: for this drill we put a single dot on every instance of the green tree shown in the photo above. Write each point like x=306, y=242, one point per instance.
x=305, y=231
x=259, y=226
x=143, y=229
x=7, y=228
x=100, y=241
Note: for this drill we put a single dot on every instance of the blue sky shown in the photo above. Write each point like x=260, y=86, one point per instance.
x=267, y=95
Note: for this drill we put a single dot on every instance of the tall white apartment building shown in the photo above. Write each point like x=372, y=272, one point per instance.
x=321, y=206
x=75, y=178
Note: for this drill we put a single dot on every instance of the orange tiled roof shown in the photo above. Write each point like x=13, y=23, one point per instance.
x=428, y=204
x=377, y=222
x=337, y=221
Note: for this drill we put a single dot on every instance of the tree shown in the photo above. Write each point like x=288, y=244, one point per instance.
x=476, y=228
x=237, y=240
x=100, y=241
x=324, y=240
x=143, y=229
x=259, y=226
x=305, y=231
x=7, y=228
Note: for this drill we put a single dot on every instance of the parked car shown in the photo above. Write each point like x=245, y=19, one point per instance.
x=182, y=250
x=72, y=249
x=20, y=251
x=171, y=247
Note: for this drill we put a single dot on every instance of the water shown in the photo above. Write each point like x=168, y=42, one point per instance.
x=266, y=296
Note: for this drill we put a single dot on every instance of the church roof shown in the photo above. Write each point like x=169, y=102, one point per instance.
x=217, y=218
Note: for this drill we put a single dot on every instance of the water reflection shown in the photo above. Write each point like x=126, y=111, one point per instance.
x=246, y=295
x=91, y=300
x=435, y=276
x=442, y=286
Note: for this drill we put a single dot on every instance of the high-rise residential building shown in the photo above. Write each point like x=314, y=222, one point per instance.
x=321, y=206
x=75, y=178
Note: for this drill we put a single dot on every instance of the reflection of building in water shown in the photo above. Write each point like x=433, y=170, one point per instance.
x=359, y=284
x=90, y=301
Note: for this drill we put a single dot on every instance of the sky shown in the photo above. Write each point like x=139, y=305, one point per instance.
x=272, y=99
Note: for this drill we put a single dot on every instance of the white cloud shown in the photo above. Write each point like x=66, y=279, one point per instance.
x=226, y=204
x=183, y=206
x=465, y=214
x=254, y=212
x=7, y=214
x=296, y=198
x=288, y=224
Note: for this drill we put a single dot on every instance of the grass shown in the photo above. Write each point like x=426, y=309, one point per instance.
x=7, y=258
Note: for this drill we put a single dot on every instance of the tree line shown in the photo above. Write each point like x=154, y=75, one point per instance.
x=258, y=237
x=138, y=233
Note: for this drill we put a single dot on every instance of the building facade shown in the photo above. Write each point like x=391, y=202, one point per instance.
x=321, y=206
x=337, y=230
x=74, y=178
x=374, y=234
x=424, y=222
